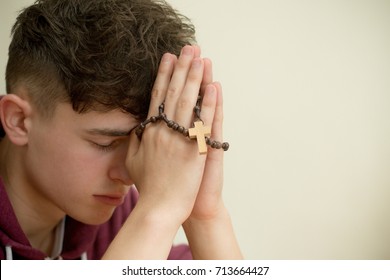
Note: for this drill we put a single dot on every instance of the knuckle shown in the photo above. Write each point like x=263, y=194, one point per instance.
x=194, y=76
x=184, y=104
x=172, y=92
x=156, y=94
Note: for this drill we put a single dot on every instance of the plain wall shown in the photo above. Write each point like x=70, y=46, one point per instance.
x=307, y=96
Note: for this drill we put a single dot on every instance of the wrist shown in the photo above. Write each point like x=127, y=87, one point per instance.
x=146, y=234
x=210, y=219
x=212, y=238
x=162, y=211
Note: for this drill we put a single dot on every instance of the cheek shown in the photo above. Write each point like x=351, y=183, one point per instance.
x=64, y=165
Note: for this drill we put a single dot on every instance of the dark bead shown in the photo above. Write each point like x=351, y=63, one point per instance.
x=170, y=124
x=161, y=108
x=218, y=145
x=213, y=144
x=185, y=132
x=208, y=141
x=197, y=111
x=181, y=129
x=225, y=146
x=175, y=126
x=163, y=117
x=139, y=132
x=153, y=119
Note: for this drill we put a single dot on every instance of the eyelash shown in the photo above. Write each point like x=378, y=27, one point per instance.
x=105, y=148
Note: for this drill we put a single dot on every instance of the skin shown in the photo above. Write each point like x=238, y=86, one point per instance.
x=86, y=168
x=98, y=157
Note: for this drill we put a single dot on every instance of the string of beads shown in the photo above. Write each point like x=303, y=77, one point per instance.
x=180, y=129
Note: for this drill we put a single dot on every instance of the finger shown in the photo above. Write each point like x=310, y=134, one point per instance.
x=161, y=83
x=207, y=74
x=209, y=103
x=187, y=100
x=197, y=51
x=217, y=128
x=178, y=80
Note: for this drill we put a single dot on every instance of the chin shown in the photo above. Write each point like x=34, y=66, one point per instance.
x=95, y=219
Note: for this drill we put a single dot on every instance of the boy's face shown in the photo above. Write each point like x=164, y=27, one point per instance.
x=75, y=163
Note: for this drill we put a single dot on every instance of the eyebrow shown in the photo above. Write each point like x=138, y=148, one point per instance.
x=109, y=132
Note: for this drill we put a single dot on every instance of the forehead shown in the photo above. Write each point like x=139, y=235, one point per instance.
x=115, y=119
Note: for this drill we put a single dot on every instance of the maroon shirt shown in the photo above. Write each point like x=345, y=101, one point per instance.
x=79, y=238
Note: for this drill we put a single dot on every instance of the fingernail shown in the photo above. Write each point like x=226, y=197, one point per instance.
x=187, y=50
x=166, y=58
x=210, y=89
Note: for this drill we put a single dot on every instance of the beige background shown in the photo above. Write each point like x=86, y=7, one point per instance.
x=307, y=96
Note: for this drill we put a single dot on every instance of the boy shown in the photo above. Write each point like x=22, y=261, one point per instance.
x=81, y=77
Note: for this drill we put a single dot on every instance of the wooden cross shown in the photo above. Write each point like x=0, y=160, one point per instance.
x=199, y=131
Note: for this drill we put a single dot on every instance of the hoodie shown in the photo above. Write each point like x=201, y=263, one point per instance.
x=77, y=240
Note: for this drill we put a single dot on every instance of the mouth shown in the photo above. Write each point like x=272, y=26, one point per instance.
x=110, y=199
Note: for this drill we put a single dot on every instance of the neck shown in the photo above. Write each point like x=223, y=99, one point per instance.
x=37, y=216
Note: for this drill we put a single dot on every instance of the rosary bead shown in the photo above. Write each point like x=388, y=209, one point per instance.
x=163, y=117
x=175, y=126
x=225, y=146
x=161, y=109
x=139, y=132
x=180, y=129
x=170, y=124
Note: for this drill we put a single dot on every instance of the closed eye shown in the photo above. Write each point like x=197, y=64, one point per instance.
x=106, y=147
x=106, y=139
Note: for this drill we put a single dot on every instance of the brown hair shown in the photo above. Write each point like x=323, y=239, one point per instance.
x=95, y=54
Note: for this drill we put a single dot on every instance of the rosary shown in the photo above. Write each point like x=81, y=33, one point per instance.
x=200, y=132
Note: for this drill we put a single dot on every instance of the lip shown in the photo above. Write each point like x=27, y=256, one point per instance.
x=111, y=199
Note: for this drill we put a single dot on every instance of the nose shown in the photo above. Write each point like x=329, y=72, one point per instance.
x=118, y=171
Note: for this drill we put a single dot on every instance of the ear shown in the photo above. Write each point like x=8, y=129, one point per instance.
x=14, y=114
